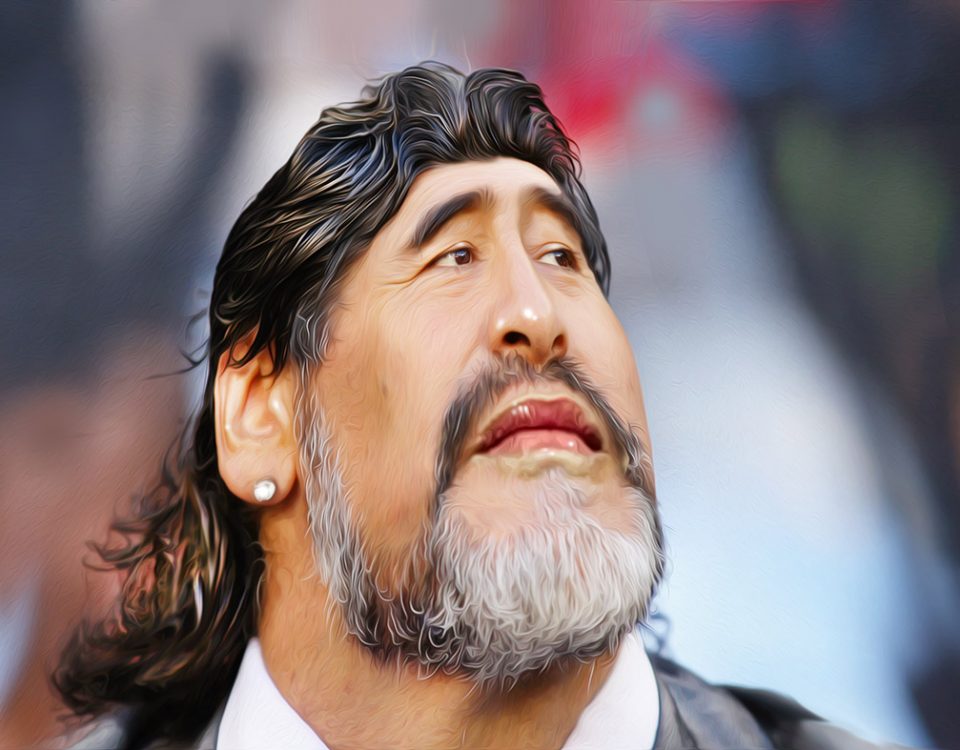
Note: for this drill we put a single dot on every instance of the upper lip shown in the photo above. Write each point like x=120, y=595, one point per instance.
x=539, y=413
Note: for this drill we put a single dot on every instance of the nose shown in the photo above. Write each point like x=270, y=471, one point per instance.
x=525, y=320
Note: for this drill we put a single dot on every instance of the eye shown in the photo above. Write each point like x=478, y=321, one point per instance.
x=459, y=256
x=560, y=256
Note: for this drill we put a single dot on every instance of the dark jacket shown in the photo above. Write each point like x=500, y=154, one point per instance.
x=696, y=714
x=693, y=714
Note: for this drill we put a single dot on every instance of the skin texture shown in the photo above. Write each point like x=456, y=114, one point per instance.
x=504, y=278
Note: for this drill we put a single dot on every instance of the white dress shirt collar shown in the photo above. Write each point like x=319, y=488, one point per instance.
x=623, y=715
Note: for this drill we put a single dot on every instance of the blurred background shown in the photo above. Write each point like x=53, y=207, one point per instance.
x=779, y=183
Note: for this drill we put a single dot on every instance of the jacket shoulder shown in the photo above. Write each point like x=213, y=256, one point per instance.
x=792, y=726
x=105, y=734
x=698, y=714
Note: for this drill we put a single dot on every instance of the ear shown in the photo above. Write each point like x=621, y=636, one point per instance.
x=253, y=412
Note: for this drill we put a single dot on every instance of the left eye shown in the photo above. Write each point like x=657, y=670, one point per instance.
x=459, y=256
x=560, y=257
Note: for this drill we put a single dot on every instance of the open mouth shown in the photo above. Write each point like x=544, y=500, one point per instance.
x=535, y=424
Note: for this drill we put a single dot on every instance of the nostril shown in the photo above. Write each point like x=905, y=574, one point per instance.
x=515, y=337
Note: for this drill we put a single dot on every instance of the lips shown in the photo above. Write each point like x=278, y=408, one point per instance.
x=535, y=423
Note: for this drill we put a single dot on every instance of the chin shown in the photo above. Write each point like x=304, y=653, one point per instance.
x=556, y=584
x=495, y=498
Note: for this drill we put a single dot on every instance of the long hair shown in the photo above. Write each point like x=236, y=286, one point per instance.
x=168, y=653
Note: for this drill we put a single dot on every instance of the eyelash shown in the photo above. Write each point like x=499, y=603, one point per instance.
x=569, y=254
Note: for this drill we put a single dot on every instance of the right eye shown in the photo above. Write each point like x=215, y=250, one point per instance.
x=459, y=256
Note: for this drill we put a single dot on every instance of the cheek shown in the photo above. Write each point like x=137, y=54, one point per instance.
x=389, y=385
x=600, y=344
x=427, y=339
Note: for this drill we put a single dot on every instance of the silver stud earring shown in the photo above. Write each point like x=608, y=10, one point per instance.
x=264, y=490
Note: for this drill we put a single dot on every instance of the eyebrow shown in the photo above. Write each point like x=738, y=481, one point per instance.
x=556, y=203
x=437, y=217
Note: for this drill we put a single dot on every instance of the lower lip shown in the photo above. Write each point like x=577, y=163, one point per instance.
x=526, y=441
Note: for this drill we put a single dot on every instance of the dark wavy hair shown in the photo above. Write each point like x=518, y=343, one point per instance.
x=167, y=654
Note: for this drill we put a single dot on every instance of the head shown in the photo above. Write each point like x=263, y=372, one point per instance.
x=409, y=334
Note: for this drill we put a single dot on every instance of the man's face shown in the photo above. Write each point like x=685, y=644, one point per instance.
x=477, y=380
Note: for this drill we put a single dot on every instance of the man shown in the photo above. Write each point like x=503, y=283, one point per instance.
x=418, y=508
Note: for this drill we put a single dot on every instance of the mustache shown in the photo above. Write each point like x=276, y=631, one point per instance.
x=484, y=390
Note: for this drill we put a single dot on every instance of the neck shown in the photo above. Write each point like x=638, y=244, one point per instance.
x=353, y=700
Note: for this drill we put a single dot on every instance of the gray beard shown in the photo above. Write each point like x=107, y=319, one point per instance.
x=491, y=609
